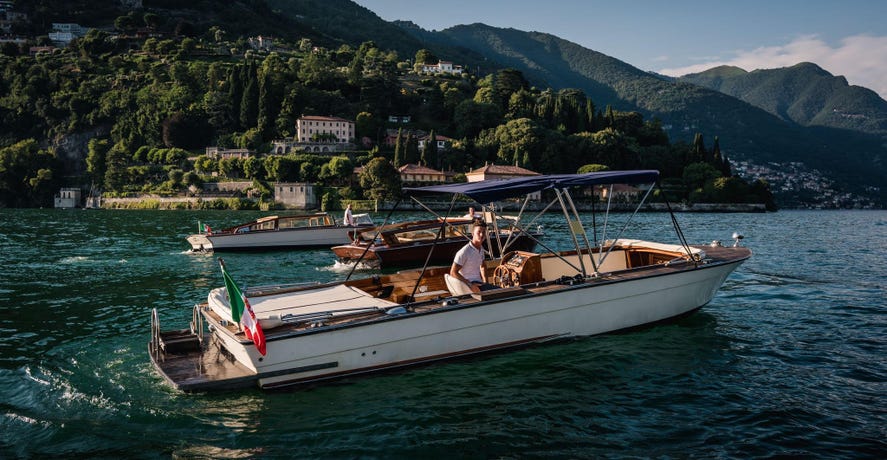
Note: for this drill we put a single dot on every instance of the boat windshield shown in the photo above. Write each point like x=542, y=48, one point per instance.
x=362, y=219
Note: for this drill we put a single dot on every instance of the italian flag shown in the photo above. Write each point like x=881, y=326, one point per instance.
x=242, y=312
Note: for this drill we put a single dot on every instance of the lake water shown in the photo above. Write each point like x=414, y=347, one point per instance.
x=788, y=359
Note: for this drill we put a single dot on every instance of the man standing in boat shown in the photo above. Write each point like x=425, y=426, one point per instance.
x=472, y=214
x=348, y=220
x=468, y=263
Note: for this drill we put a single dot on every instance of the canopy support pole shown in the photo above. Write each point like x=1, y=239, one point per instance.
x=625, y=225
x=516, y=224
x=440, y=233
x=677, y=228
x=560, y=198
x=581, y=230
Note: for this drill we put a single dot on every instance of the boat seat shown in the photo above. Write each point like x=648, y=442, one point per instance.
x=456, y=286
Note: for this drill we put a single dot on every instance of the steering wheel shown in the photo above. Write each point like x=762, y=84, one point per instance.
x=504, y=276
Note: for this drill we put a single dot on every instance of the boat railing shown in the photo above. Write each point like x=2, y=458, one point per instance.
x=197, y=323
x=154, y=345
x=318, y=318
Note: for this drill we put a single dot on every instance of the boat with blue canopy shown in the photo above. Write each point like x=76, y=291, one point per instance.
x=278, y=336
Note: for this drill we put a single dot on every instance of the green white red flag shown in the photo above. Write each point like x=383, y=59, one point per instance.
x=242, y=311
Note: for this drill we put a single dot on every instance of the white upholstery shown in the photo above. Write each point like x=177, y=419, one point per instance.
x=456, y=286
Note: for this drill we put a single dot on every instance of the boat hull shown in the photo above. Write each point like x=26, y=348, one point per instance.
x=591, y=308
x=298, y=237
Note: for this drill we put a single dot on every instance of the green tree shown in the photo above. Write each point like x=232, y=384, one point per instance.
x=330, y=201
x=124, y=23
x=518, y=142
x=399, y=149
x=186, y=130
x=253, y=168
x=27, y=175
x=593, y=167
x=230, y=167
x=366, y=125
x=424, y=56
x=429, y=153
x=471, y=118
x=698, y=154
x=116, y=168
x=337, y=171
x=152, y=21
x=380, y=180
x=249, y=105
x=411, y=150
x=96, y=157
x=696, y=175
x=235, y=94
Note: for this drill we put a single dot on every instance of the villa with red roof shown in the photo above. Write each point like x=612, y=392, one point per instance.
x=498, y=172
x=412, y=173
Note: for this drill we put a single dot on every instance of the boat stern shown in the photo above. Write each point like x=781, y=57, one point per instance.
x=199, y=242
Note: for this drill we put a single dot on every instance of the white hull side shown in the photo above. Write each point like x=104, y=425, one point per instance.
x=280, y=238
x=587, y=310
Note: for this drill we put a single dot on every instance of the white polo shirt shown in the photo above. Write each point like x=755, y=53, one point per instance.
x=470, y=258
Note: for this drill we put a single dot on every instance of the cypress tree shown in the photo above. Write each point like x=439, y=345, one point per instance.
x=429, y=153
x=698, y=153
x=398, y=148
x=235, y=93
x=411, y=154
x=589, y=116
x=249, y=105
x=265, y=119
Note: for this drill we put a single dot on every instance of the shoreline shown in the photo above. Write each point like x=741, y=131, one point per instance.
x=195, y=203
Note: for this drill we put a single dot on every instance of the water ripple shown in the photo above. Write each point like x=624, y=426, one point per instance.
x=787, y=360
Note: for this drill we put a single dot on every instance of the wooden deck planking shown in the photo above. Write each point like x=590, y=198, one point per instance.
x=204, y=370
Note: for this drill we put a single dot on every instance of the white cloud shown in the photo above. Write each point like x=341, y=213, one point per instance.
x=862, y=59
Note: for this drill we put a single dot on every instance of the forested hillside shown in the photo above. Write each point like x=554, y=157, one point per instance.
x=855, y=159
x=147, y=104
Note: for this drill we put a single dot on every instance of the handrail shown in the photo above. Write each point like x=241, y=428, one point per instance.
x=154, y=346
x=197, y=323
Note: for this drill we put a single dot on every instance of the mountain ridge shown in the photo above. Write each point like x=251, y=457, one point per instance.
x=852, y=157
x=804, y=93
x=745, y=128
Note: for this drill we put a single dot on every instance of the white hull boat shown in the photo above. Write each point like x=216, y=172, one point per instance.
x=325, y=331
x=275, y=232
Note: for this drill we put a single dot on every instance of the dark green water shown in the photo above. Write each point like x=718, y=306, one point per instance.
x=788, y=359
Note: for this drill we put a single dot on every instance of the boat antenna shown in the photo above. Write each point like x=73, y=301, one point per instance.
x=373, y=241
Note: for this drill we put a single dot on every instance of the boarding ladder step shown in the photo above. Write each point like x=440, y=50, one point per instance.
x=179, y=341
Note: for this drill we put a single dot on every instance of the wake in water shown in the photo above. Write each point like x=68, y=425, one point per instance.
x=345, y=267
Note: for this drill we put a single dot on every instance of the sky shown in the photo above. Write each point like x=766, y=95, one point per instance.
x=677, y=37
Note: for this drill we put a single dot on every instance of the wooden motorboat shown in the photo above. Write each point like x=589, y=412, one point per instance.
x=275, y=232
x=323, y=331
x=410, y=243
